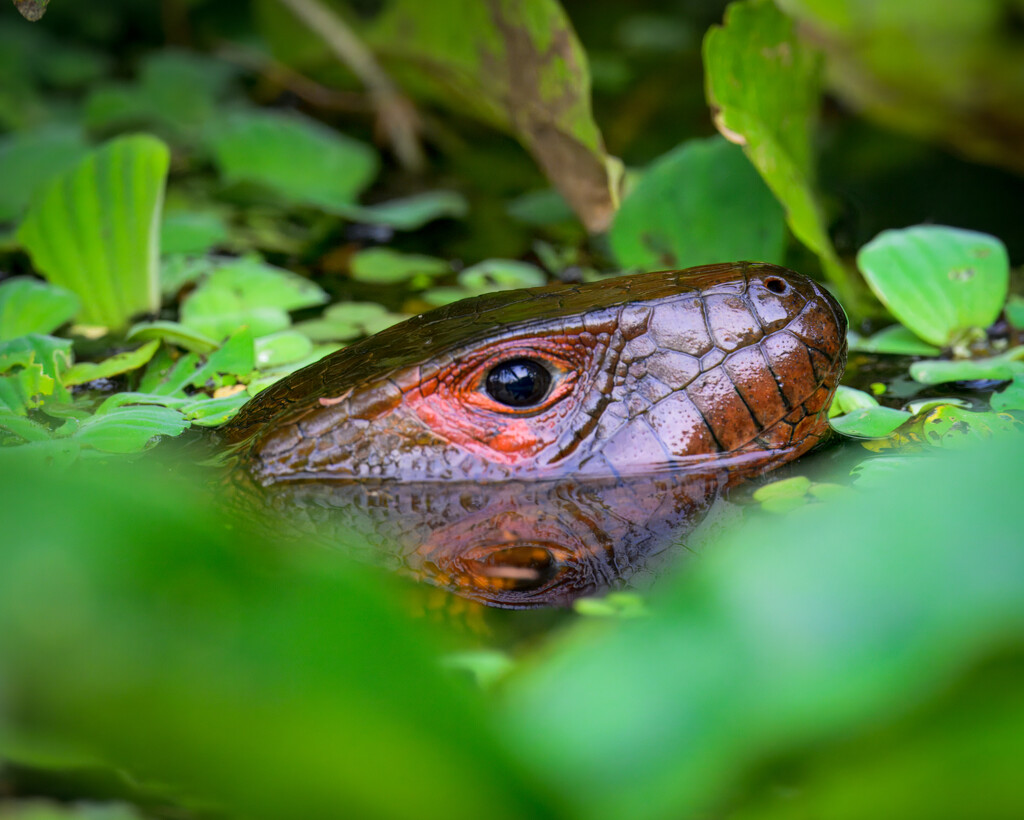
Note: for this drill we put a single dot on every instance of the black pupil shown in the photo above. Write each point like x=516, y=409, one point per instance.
x=518, y=382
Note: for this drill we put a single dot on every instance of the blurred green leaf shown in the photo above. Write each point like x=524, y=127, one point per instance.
x=177, y=91
x=184, y=647
x=516, y=66
x=538, y=208
x=129, y=429
x=30, y=158
x=40, y=810
x=869, y=422
x=82, y=372
x=772, y=647
x=385, y=266
x=30, y=306
x=1010, y=398
x=191, y=232
x=234, y=360
x=248, y=292
x=345, y=321
x=796, y=486
x=178, y=270
x=172, y=333
x=281, y=348
x=408, y=213
x=501, y=274
x=942, y=283
x=94, y=230
x=214, y=412
x=939, y=371
x=701, y=203
x=896, y=340
x=1015, y=311
x=295, y=158
x=949, y=77
x=764, y=84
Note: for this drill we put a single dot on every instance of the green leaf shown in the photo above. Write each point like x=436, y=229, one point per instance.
x=949, y=426
x=30, y=306
x=13, y=423
x=701, y=203
x=177, y=91
x=777, y=647
x=281, y=348
x=870, y=422
x=501, y=274
x=847, y=399
x=345, y=321
x=940, y=282
x=192, y=232
x=94, y=230
x=214, y=412
x=172, y=333
x=83, y=372
x=384, y=266
x=179, y=270
x=896, y=340
x=765, y=86
x=30, y=158
x=248, y=293
x=794, y=487
x=293, y=157
x=939, y=371
x=129, y=429
x=408, y=213
x=31, y=369
x=1015, y=311
x=517, y=66
x=141, y=623
x=1010, y=398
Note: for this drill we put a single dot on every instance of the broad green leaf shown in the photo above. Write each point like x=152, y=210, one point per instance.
x=83, y=372
x=177, y=91
x=235, y=360
x=345, y=321
x=869, y=422
x=94, y=230
x=129, y=429
x=949, y=426
x=939, y=371
x=251, y=293
x=408, y=213
x=178, y=270
x=908, y=68
x=31, y=369
x=293, y=157
x=281, y=348
x=764, y=84
x=777, y=647
x=1015, y=311
x=942, y=283
x=540, y=208
x=501, y=274
x=214, y=412
x=385, y=266
x=169, y=637
x=847, y=399
x=1011, y=397
x=701, y=203
x=797, y=485
x=30, y=306
x=11, y=422
x=30, y=158
x=516, y=66
x=191, y=232
x=896, y=340
x=172, y=333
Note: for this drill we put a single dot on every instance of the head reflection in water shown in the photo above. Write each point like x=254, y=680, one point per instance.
x=513, y=544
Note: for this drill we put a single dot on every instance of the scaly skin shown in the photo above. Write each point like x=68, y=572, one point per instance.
x=725, y=367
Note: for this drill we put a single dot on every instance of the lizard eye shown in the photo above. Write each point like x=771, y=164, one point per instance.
x=518, y=382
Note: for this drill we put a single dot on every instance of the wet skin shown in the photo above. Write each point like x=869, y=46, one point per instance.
x=671, y=384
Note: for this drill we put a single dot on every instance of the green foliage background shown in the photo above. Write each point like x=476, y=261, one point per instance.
x=215, y=200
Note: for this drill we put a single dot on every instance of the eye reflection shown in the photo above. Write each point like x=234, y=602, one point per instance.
x=518, y=382
x=520, y=568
